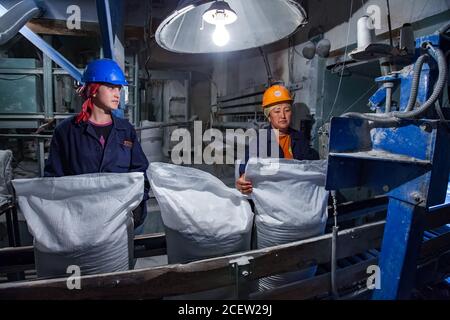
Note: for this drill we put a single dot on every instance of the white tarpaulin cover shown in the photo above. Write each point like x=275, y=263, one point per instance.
x=291, y=203
x=82, y=220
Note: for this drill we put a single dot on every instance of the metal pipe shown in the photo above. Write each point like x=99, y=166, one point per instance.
x=388, y=99
x=16, y=17
x=58, y=58
x=391, y=41
x=137, y=107
x=164, y=125
x=48, y=87
x=385, y=66
x=238, y=125
x=106, y=28
x=41, y=157
x=334, y=289
x=25, y=136
x=394, y=117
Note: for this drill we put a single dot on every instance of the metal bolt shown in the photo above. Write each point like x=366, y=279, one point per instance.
x=386, y=188
x=425, y=127
x=245, y=273
x=416, y=197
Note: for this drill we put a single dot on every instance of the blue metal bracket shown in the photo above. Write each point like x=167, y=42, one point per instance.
x=379, y=97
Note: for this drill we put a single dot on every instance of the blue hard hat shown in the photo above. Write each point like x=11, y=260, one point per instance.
x=104, y=70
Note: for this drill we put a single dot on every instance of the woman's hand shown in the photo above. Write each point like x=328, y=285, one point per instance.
x=244, y=186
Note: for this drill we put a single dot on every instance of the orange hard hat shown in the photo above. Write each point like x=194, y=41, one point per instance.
x=276, y=94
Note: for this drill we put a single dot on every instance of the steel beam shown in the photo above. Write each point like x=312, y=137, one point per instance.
x=106, y=27
x=48, y=87
x=402, y=240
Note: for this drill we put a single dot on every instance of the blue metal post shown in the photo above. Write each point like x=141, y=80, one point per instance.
x=106, y=27
x=400, y=250
x=110, y=19
x=48, y=87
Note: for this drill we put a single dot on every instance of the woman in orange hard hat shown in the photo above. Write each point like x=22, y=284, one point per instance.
x=277, y=107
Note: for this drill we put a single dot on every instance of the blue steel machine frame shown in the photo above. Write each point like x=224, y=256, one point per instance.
x=407, y=159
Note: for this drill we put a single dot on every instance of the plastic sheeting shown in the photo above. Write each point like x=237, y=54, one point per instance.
x=83, y=220
x=291, y=203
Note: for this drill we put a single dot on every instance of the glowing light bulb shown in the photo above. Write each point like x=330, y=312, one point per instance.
x=220, y=36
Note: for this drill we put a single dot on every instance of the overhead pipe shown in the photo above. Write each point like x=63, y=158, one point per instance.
x=47, y=49
x=15, y=18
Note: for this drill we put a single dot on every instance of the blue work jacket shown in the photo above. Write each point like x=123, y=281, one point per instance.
x=301, y=149
x=75, y=149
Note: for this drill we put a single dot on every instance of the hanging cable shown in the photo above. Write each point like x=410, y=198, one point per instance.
x=415, y=82
x=266, y=62
x=343, y=66
x=395, y=117
x=360, y=98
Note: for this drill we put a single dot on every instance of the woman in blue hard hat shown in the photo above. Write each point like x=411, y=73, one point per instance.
x=95, y=140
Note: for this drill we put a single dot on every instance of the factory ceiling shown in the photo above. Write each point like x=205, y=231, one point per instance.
x=142, y=18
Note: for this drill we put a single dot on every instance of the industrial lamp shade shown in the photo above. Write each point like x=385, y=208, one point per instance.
x=220, y=6
x=258, y=23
